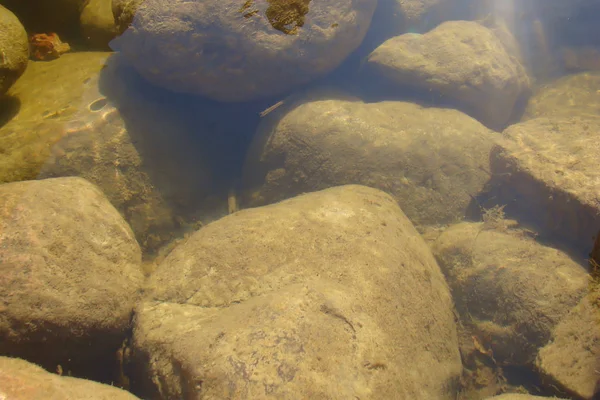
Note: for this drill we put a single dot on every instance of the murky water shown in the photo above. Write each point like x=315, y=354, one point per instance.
x=299, y=199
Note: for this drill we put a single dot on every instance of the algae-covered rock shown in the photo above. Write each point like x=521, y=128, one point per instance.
x=69, y=277
x=14, y=50
x=432, y=160
x=571, y=360
x=231, y=50
x=547, y=170
x=329, y=294
x=462, y=61
x=510, y=289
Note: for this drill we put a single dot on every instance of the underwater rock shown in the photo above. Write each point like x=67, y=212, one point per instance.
x=98, y=24
x=25, y=381
x=547, y=174
x=571, y=360
x=230, y=51
x=432, y=160
x=462, y=61
x=123, y=13
x=508, y=288
x=70, y=274
x=328, y=292
x=571, y=95
x=14, y=49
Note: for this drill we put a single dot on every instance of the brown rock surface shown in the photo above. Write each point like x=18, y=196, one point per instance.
x=510, y=289
x=548, y=167
x=571, y=360
x=14, y=50
x=461, y=60
x=432, y=160
x=20, y=380
x=233, y=51
x=69, y=276
x=329, y=294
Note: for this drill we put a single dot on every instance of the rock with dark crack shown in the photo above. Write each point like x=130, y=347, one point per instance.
x=329, y=292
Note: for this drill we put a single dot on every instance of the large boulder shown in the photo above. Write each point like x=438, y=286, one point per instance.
x=14, y=49
x=69, y=277
x=463, y=62
x=232, y=51
x=25, y=381
x=327, y=294
x=432, y=160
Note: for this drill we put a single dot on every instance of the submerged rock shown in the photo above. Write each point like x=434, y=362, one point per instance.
x=229, y=50
x=432, y=160
x=14, y=49
x=69, y=276
x=547, y=171
x=25, y=381
x=511, y=290
x=462, y=61
x=566, y=97
x=571, y=360
x=98, y=24
x=331, y=293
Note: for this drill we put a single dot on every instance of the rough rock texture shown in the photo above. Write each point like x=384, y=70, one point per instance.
x=49, y=96
x=517, y=396
x=61, y=16
x=142, y=149
x=123, y=12
x=98, y=24
x=234, y=51
x=69, y=275
x=20, y=380
x=328, y=295
x=433, y=161
x=566, y=97
x=548, y=175
x=14, y=49
x=461, y=60
x=571, y=360
x=509, y=288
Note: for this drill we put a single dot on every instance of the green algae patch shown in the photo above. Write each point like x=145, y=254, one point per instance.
x=284, y=15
